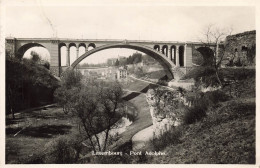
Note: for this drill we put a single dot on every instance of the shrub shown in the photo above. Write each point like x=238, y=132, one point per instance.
x=216, y=96
x=162, y=82
x=62, y=152
x=201, y=102
x=194, y=114
x=238, y=74
x=168, y=138
x=65, y=149
x=38, y=158
x=25, y=81
x=204, y=75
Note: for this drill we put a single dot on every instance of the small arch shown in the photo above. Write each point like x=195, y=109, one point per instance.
x=72, y=52
x=181, y=56
x=207, y=54
x=72, y=45
x=165, y=50
x=173, y=53
x=91, y=46
x=157, y=47
x=82, y=45
x=82, y=50
x=63, y=54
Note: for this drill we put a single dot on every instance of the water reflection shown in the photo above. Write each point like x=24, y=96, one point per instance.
x=129, y=116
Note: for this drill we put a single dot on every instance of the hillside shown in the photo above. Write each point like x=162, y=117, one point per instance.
x=225, y=135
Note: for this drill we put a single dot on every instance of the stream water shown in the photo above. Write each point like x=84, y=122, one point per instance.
x=121, y=125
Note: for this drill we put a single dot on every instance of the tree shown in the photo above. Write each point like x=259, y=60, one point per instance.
x=96, y=104
x=70, y=79
x=117, y=63
x=35, y=57
x=251, y=54
x=214, y=36
x=46, y=65
x=137, y=57
x=25, y=80
x=167, y=103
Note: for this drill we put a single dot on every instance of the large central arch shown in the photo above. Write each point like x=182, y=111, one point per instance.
x=167, y=64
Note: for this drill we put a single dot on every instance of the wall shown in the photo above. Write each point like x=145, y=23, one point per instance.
x=238, y=46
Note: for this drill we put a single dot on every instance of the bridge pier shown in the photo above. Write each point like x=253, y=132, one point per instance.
x=68, y=56
x=177, y=56
x=169, y=53
x=77, y=52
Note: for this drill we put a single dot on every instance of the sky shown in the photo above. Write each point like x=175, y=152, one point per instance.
x=122, y=21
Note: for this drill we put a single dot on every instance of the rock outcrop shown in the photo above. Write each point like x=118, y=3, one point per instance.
x=168, y=117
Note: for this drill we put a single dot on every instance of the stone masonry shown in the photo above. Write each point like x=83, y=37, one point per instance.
x=241, y=47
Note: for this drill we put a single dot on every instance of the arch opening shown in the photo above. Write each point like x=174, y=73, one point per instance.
x=157, y=48
x=82, y=50
x=165, y=50
x=173, y=54
x=72, y=53
x=63, y=54
x=32, y=46
x=181, y=56
x=164, y=61
x=91, y=46
x=30, y=49
x=207, y=55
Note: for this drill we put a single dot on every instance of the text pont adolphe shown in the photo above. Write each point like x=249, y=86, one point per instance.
x=132, y=153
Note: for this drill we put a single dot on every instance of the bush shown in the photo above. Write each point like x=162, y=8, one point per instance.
x=171, y=137
x=65, y=149
x=216, y=96
x=25, y=81
x=162, y=82
x=194, y=114
x=201, y=102
x=38, y=158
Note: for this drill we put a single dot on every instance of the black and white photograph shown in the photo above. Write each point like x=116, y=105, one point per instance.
x=128, y=82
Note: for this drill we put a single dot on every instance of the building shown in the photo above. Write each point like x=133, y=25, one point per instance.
x=121, y=73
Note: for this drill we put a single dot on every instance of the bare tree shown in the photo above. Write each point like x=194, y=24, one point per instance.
x=97, y=106
x=214, y=37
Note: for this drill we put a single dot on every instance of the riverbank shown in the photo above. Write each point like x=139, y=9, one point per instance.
x=142, y=121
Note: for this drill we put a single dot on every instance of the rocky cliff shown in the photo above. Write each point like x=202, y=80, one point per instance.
x=165, y=110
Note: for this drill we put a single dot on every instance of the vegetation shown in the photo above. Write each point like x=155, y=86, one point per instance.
x=26, y=79
x=219, y=127
x=96, y=104
x=226, y=135
x=214, y=35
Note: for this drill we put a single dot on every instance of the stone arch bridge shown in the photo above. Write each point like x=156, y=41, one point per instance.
x=174, y=56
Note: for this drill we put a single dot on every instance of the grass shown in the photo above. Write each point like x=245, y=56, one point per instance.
x=226, y=135
x=45, y=126
x=158, y=74
x=135, y=85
